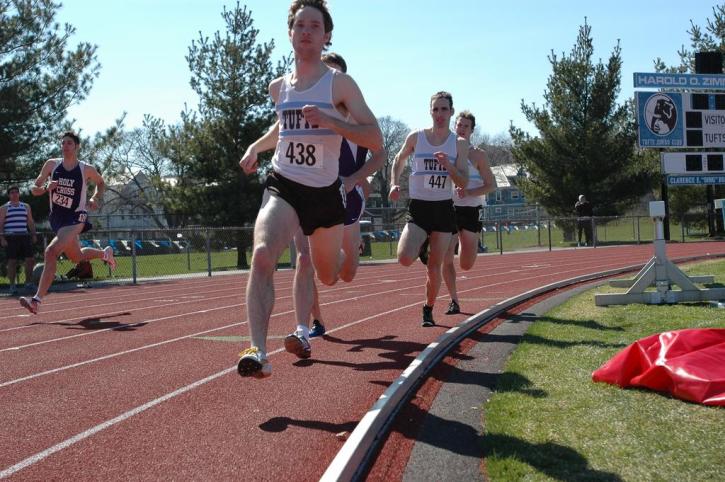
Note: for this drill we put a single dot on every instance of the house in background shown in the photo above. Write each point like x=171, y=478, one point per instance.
x=131, y=203
x=507, y=200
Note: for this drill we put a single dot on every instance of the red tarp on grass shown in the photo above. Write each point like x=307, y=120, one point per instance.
x=689, y=364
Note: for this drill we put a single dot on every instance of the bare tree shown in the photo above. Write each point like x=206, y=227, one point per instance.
x=498, y=148
x=134, y=167
x=394, y=134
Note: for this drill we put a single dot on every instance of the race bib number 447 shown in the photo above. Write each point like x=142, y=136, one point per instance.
x=304, y=155
x=61, y=200
x=436, y=182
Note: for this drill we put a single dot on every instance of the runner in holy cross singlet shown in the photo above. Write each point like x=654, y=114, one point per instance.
x=66, y=186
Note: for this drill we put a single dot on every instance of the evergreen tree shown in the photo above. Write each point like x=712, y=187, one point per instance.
x=39, y=79
x=710, y=39
x=231, y=73
x=586, y=142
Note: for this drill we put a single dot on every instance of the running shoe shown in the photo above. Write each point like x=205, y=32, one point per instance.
x=108, y=257
x=30, y=304
x=252, y=363
x=297, y=344
x=428, y=316
x=453, y=308
x=423, y=253
x=318, y=329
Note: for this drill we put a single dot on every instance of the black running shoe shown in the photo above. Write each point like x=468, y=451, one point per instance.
x=453, y=308
x=428, y=316
x=423, y=253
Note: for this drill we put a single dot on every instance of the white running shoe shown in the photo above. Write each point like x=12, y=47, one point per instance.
x=30, y=304
x=297, y=344
x=108, y=257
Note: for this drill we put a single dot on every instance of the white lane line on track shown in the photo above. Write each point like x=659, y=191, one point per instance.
x=125, y=416
x=44, y=342
x=113, y=355
x=107, y=424
x=215, y=284
x=97, y=295
x=34, y=459
x=282, y=287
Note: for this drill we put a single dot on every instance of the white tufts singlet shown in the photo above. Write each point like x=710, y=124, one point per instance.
x=429, y=181
x=474, y=181
x=307, y=154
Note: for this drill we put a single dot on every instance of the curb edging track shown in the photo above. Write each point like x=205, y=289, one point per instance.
x=352, y=459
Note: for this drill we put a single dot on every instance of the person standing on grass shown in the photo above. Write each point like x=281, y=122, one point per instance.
x=439, y=164
x=584, y=214
x=17, y=237
x=66, y=180
x=304, y=187
x=467, y=203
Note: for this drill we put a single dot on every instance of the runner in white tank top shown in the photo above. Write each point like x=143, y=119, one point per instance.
x=474, y=182
x=429, y=180
x=303, y=192
x=306, y=153
x=438, y=163
x=468, y=203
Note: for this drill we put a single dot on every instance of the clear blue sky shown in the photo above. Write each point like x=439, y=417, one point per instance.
x=488, y=54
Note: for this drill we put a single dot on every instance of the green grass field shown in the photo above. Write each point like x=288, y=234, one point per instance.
x=548, y=421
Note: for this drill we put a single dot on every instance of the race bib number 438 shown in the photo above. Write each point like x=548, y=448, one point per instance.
x=304, y=155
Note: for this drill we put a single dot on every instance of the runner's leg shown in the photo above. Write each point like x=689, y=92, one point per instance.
x=449, y=269
x=351, y=246
x=468, y=249
x=65, y=241
x=410, y=242
x=274, y=229
x=303, y=285
x=438, y=245
x=326, y=252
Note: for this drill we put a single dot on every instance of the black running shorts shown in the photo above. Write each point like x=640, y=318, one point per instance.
x=433, y=215
x=467, y=217
x=20, y=246
x=316, y=207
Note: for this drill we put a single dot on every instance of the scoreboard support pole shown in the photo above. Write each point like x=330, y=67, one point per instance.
x=661, y=273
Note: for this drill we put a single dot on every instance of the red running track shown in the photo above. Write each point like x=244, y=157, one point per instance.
x=139, y=382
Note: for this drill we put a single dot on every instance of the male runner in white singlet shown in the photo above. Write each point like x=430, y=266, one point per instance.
x=467, y=203
x=438, y=163
x=305, y=190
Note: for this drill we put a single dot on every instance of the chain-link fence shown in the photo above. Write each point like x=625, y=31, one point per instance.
x=144, y=254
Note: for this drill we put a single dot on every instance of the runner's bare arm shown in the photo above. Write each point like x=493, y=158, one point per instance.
x=399, y=163
x=480, y=160
x=3, y=210
x=93, y=176
x=459, y=171
x=364, y=131
x=267, y=142
x=31, y=223
x=371, y=166
x=39, y=188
